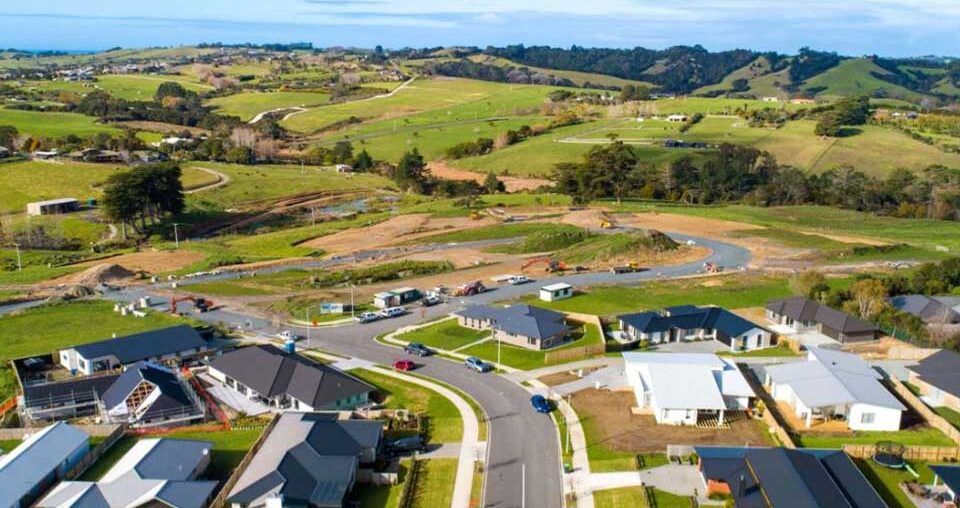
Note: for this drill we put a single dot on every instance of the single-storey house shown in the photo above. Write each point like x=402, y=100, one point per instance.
x=689, y=322
x=781, y=477
x=164, y=346
x=687, y=388
x=307, y=459
x=53, y=206
x=148, y=395
x=520, y=325
x=833, y=385
x=155, y=472
x=396, y=297
x=284, y=380
x=931, y=310
x=949, y=477
x=805, y=315
x=554, y=292
x=938, y=379
x=40, y=461
x=65, y=399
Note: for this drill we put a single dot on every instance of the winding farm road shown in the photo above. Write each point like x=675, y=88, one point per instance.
x=520, y=440
x=222, y=179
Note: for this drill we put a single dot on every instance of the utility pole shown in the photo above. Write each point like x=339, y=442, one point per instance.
x=176, y=235
x=352, y=311
x=499, y=365
x=523, y=485
x=19, y=264
x=309, y=326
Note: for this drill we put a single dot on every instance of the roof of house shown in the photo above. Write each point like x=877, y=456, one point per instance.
x=272, y=371
x=524, y=320
x=142, y=346
x=941, y=369
x=832, y=377
x=308, y=458
x=706, y=379
x=690, y=317
x=76, y=391
x=950, y=475
x=789, y=478
x=931, y=310
x=172, y=395
x=153, y=470
x=35, y=458
x=800, y=308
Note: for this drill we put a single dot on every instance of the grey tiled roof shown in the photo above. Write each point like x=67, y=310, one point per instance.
x=143, y=346
x=524, y=320
x=799, y=308
x=690, y=317
x=942, y=370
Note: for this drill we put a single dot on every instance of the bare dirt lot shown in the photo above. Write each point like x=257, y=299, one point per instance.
x=153, y=261
x=391, y=232
x=512, y=183
x=607, y=415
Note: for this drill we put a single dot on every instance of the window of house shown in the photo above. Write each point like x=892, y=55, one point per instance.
x=867, y=417
x=531, y=341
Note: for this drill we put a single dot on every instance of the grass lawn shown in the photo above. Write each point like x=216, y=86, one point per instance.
x=435, y=483
x=627, y=497
x=927, y=436
x=381, y=496
x=242, y=287
x=446, y=335
x=526, y=359
x=142, y=87
x=23, y=182
x=7, y=445
x=229, y=448
x=949, y=414
x=445, y=425
x=108, y=459
x=51, y=327
x=781, y=351
x=731, y=292
x=41, y=124
x=887, y=481
x=249, y=104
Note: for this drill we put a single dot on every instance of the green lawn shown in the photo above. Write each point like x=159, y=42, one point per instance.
x=249, y=104
x=108, y=459
x=51, y=327
x=7, y=445
x=627, y=497
x=927, y=436
x=445, y=424
x=435, y=483
x=527, y=359
x=229, y=448
x=142, y=87
x=949, y=414
x=40, y=124
x=887, y=481
x=446, y=335
x=382, y=496
x=232, y=287
x=23, y=182
x=731, y=292
x=781, y=351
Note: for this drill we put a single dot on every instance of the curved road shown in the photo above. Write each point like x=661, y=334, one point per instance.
x=519, y=438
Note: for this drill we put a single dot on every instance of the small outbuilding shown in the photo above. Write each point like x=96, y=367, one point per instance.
x=396, y=297
x=554, y=292
x=53, y=206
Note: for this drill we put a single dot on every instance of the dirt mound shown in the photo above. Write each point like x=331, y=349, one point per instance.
x=71, y=292
x=99, y=274
x=153, y=261
x=439, y=169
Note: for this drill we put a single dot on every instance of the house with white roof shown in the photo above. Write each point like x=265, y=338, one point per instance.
x=38, y=462
x=833, y=385
x=155, y=472
x=686, y=388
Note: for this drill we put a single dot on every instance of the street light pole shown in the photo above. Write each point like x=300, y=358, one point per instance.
x=352, y=312
x=176, y=235
x=309, y=326
x=499, y=365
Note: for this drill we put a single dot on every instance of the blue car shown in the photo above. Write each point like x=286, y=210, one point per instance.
x=477, y=364
x=541, y=404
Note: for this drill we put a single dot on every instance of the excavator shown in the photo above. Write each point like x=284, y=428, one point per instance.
x=200, y=303
x=552, y=264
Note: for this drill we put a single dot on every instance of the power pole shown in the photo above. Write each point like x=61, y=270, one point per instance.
x=176, y=235
x=19, y=264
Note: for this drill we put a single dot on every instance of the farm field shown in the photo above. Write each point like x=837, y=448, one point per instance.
x=249, y=104
x=858, y=76
x=580, y=78
x=142, y=87
x=53, y=125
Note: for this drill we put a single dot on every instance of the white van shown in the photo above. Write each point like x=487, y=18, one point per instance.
x=392, y=312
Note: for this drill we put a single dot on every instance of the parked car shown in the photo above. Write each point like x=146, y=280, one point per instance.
x=541, y=404
x=416, y=348
x=404, y=365
x=430, y=300
x=477, y=364
x=406, y=444
x=392, y=312
x=516, y=280
x=366, y=317
x=288, y=335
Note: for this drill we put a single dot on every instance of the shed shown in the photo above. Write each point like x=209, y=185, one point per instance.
x=53, y=206
x=558, y=291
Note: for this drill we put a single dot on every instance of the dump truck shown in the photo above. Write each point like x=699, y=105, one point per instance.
x=470, y=289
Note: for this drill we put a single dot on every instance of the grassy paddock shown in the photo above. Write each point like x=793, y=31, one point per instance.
x=40, y=124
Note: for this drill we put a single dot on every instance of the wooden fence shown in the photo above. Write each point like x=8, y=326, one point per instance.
x=221, y=499
x=577, y=353
x=771, y=414
x=96, y=453
x=917, y=453
x=22, y=432
x=936, y=421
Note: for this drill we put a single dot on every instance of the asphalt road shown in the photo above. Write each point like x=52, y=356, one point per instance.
x=519, y=438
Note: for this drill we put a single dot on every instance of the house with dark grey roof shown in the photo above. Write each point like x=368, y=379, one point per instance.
x=800, y=315
x=938, y=379
x=155, y=472
x=165, y=346
x=61, y=400
x=786, y=478
x=689, y=322
x=833, y=385
x=949, y=478
x=282, y=380
x=520, y=325
x=40, y=461
x=931, y=310
x=148, y=395
x=308, y=459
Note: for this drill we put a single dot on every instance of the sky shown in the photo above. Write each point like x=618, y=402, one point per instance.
x=884, y=27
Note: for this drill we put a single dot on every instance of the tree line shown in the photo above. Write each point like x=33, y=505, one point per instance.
x=143, y=196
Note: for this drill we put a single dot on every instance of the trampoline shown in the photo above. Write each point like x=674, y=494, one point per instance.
x=889, y=454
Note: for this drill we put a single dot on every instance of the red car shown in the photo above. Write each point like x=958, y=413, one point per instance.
x=404, y=365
